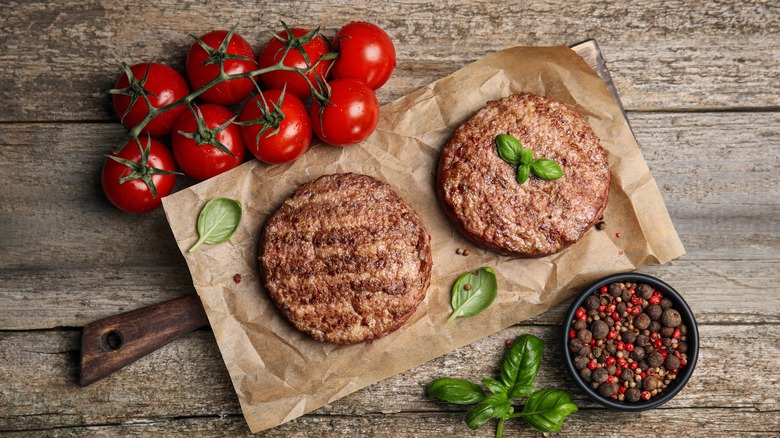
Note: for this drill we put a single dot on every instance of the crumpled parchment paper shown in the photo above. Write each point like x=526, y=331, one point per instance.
x=279, y=373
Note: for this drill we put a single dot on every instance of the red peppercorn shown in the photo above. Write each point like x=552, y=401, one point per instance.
x=592, y=365
x=620, y=346
x=676, y=334
x=621, y=361
x=636, y=300
x=634, y=365
x=683, y=362
x=655, y=299
x=643, y=374
x=616, y=316
x=658, y=344
x=620, y=252
x=664, y=353
x=508, y=343
x=610, y=379
x=629, y=347
x=602, y=308
x=604, y=289
x=622, y=389
x=613, y=334
x=624, y=366
x=572, y=334
x=636, y=311
x=592, y=341
x=646, y=395
x=579, y=313
x=611, y=308
x=610, y=360
x=655, y=336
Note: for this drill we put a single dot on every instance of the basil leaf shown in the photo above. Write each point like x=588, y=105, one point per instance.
x=545, y=410
x=527, y=156
x=458, y=391
x=521, y=365
x=546, y=169
x=509, y=148
x=495, y=386
x=523, y=173
x=494, y=406
x=473, y=293
x=217, y=221
x=521, y=391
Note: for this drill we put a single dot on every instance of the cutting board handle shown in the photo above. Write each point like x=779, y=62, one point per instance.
x=111, y=343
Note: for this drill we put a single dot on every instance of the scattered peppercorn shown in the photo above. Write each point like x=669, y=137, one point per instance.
x=237, y=278
x=466, y=252
x=600, y=225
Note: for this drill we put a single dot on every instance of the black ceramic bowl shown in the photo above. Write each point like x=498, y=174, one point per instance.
x=692, y=340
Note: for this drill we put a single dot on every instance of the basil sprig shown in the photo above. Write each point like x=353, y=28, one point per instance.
x=545, y=410
x=473, y=292
x=512, y=151
x=217, y=221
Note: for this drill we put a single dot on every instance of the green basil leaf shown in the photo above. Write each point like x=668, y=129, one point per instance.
x=473, y=293
x=523, y=173
x=494, y=386
x=522, y=363
x=509, y=148
x=217, y=221
x=493, y=406
x=527, y=156
x=545, y=410
x=458, y=391
x=546, y=169
x=521, y=391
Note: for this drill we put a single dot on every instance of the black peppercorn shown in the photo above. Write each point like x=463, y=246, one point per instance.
x=642, y=321
x=654, y=359
x=671, y=318
x=615, y=289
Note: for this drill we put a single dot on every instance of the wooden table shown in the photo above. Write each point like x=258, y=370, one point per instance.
x=701, y=84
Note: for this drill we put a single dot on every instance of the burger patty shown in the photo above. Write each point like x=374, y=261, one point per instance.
x=345, y=259
x=480, y=193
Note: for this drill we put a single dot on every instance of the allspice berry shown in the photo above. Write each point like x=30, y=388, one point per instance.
x=586, y=374
x=581, y=362
x=654, y=326
x=638, y=354
x=599, y=375
x=627, y=374
x=654, y=311
x=633, y=394
x=651, y=383
x=666, y=303
x=655, y=359
x=608, y=389
x=625, y=296
x=592, y=303
x=629, y=337
x=575, y=344
x=671, y=362
x=584, y=335
x=642, y=321
x=580, y=324
x=615, y=290
x=671, y=318
x=600, y=329
x=645, y=291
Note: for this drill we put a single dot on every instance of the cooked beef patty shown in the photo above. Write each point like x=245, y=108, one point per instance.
x=345, y=259
x=479, y=192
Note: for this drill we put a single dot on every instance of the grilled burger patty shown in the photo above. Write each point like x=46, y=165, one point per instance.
x=479, y=192
x=345, y=259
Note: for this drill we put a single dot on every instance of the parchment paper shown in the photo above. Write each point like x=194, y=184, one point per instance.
x=279, y=373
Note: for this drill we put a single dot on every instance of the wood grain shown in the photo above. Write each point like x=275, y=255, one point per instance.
x=700, y=81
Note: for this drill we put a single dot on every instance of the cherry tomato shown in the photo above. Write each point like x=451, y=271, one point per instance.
x=201, y=145
x=366, y=53
x=294, y=128
x=297, y=39
x=350, y=116
x=161, y=84
x=203, y=66
x=147, y=163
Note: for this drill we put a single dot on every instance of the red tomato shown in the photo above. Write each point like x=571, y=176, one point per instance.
x=274, y=50
x=162, y=84
x=294, y=128
x=153, y=165
x=201, y=153
x=203, y=66
x=366, y=53
x=350, y=116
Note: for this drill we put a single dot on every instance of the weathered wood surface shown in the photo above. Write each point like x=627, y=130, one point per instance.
x=700, y=81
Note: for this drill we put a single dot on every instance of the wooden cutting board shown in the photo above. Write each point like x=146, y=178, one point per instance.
x=109, y=344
